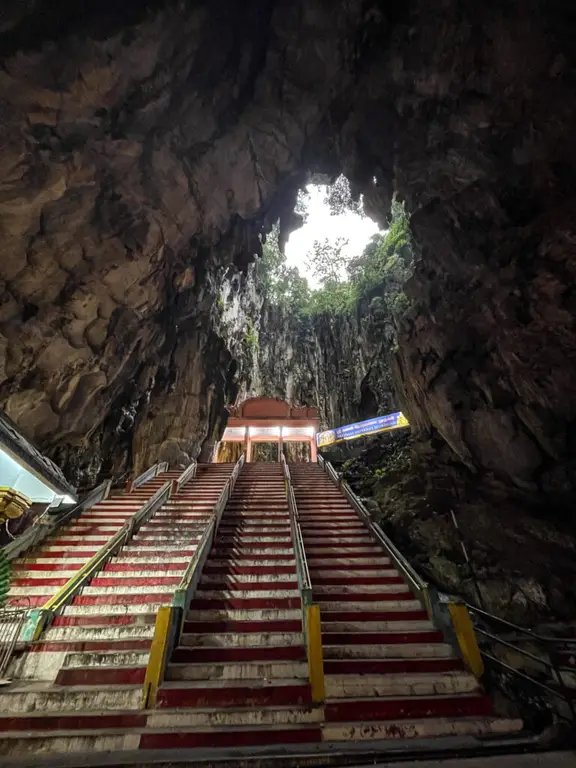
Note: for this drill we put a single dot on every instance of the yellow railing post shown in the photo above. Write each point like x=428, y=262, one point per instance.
x=157, y=659
x=315, y=656
x=466, y=637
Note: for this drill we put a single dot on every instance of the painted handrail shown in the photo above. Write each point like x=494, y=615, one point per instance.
x=466, y=632
x=170, y=618
x=39, y=618
x=419, y=588
x=188, y=474
x=311, y=619
x=147, y=475
x=549, y=644
x=45, y=526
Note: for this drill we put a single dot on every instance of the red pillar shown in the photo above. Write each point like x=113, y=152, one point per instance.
x=313, y=449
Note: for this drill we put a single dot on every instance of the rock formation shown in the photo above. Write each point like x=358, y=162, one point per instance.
x=147, y=147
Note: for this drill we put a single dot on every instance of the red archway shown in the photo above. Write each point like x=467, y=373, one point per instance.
x=269, y=420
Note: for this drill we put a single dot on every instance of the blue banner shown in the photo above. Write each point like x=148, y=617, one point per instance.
x=362, y=428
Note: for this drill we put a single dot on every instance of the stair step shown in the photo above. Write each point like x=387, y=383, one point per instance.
x=242, y=640
x=242, y=655
x=223, y=694
x=370, y=710
x=266, y=671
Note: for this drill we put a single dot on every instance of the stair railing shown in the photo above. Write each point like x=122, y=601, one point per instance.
x=40, y=618
x=419, y=588
x=465, y=623
x=450, y=615
x=170, y=618
x=148, y=474
x=550, y=646
x=187, y=475
x=311, y=619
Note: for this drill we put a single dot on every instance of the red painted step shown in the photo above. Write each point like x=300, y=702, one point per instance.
x=101, y=676
x=34, y=601
x=236, y=696
x=111, y=619
x=207, y=655
x=230, y=738
x=363, y=597
x=374, y=616
x=88, y=646
x=407, y=708
x=135, y=581
x=249, y=586
x=384, y=638
x=389, y=666
x=233, y=569
x=219, y=554
x=339, y=580
x=117, y=567
x=264, y=625
x=245, y=603
x=120, y=599
x=34, y=582
x=72, y=722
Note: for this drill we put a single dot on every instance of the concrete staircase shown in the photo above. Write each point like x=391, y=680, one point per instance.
x=40, y=574
x=239, y=675
x=389, y=672
x=80, y=687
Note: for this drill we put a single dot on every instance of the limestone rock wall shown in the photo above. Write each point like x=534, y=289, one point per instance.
x=146, y=146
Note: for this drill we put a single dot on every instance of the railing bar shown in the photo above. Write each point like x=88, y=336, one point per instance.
x=521, y=651
x=518, y=673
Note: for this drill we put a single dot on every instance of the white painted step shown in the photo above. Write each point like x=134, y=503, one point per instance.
x=419, y=729
x=106, y=659
x=241, y=640
x=405, y=684
x=44, y=698
x=109, y=632
x=390, y=651
x=226, y=594
x=371, y=605
x=243, y=578
x=202, y=718
x=252, y=614
x=357, y=589
x=144, y=589
x=108, y=609
x=325, y=573
x=247, y=562
x=397, y=625
x=343, y=561
x=266, y=671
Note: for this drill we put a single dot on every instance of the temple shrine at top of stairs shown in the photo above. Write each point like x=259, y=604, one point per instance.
x=269, y=420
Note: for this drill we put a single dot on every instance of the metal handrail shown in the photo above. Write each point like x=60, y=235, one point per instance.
x=188, y=474
x=418, y=586
x=11, y=623
x=46, y=525
x=148, y=474
x=549, y=644
x=302, y=571
x=422, y=589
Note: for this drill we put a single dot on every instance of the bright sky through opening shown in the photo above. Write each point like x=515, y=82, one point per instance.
x=321, y=225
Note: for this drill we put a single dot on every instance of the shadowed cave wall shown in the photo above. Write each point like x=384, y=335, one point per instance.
x=146, y=148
